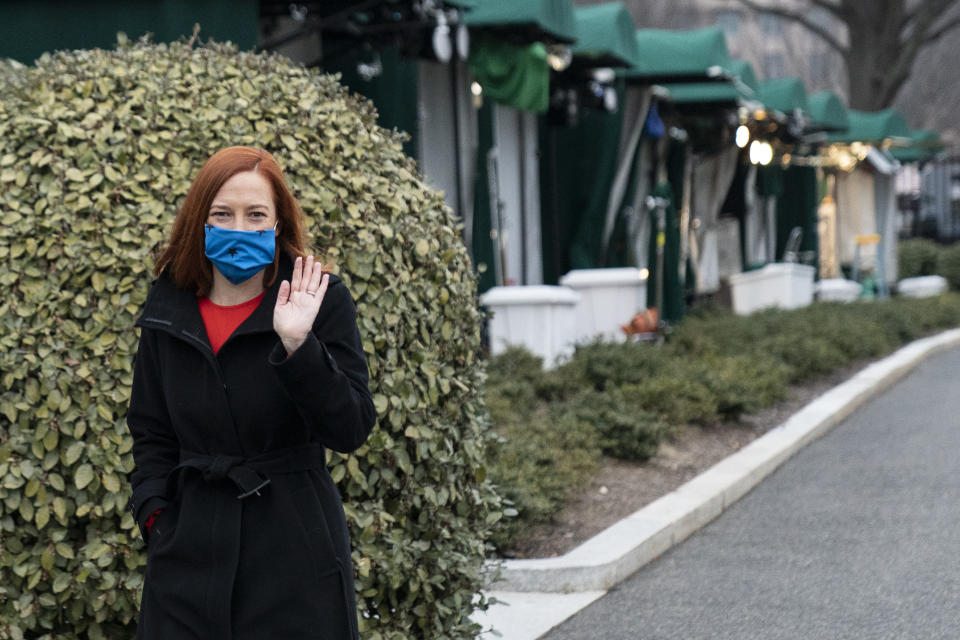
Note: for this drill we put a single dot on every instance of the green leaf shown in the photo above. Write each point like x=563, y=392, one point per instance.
x=83, y=476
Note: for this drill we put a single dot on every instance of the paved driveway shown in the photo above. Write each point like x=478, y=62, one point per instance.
x=858, y=536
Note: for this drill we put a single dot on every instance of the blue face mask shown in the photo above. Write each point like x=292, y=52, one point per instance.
x=239, y=255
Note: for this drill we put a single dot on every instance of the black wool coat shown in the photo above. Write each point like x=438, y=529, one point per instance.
x=252, y=542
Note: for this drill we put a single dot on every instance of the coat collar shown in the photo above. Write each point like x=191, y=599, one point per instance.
x=174, y=309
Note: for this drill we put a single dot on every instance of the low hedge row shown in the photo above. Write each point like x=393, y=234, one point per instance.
x=623, y=399
x=923, y=257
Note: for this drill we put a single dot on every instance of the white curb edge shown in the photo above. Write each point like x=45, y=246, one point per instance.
x=617, y=552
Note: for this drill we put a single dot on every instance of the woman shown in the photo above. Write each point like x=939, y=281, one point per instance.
x=249, y=366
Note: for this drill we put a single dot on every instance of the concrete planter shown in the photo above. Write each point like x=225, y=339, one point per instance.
x=540, y=318
x=609, y=299
x=781, y=284
x=922, y=286
x=838, y=290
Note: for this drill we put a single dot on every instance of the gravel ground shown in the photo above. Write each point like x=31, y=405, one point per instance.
x=621, y=487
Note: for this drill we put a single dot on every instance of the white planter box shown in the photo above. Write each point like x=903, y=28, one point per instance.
x=609, y=299
x=838, y=290
x=922, y=286
x=781, y=284
x=540, y=318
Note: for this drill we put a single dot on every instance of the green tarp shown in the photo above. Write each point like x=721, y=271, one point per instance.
x=605, y=35
x=924, y=145
x=29, y=28
x=872, y=126
x=785, y=95
x=552, y=19
x=828, y=112
x=680, y=54
x=515, y=75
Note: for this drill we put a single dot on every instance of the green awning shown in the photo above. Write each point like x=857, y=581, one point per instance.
x=785, y=95
x=828, y=112
x=605, y=35
x=872, y=126
x=924, y=145
x=544, y=20
x=680, y=55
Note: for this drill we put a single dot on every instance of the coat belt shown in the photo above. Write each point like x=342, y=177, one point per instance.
x=249, y=474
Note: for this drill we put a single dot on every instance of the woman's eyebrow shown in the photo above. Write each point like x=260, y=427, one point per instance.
x=220, y=205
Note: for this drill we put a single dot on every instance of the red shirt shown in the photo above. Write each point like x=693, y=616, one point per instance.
x=222, y=321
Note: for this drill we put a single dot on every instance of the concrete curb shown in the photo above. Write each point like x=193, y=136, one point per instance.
x=617, y=552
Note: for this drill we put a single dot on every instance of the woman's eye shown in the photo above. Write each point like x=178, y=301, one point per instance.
x=258, y=214
x=220, y=214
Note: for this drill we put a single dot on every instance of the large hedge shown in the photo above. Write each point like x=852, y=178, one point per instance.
x=97, y=149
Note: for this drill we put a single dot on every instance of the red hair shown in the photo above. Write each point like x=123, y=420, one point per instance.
x=185, y=256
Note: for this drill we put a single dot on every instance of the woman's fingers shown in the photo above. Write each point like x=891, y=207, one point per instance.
x=284, y=293
x=315, y=277
x=307, y=274
x=297, y=275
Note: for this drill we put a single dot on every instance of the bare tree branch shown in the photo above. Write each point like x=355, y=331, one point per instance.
x=808, y=24
x=936, y=34
x=832, y=7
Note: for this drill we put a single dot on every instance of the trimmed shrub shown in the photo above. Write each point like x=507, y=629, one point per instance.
x=97, y=149
x=950, y=265
x=918, y=257
x=625, y=429
x=544, y=453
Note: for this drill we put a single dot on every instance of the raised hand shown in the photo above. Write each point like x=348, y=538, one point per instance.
x=298, y=302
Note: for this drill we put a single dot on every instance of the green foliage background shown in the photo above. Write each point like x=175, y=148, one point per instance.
x=97, y=149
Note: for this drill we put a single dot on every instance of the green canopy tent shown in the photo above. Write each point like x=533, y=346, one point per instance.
x=579, y=163
x=866, y=202
x=705, y=95
x=797, y=198
x=509, y=60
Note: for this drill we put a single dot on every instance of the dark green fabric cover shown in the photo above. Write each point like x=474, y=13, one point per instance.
x=577, y=169
x=785, y=95
x=924, y=145
x=606, y=31
x=515, y=75
x=872, y=126
x=484, y=249
x=680, y=53
x=393, y=92
x=797, y=207
x=554, y=17
x=28, y=28
x=828, y=111
x=769, y=180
